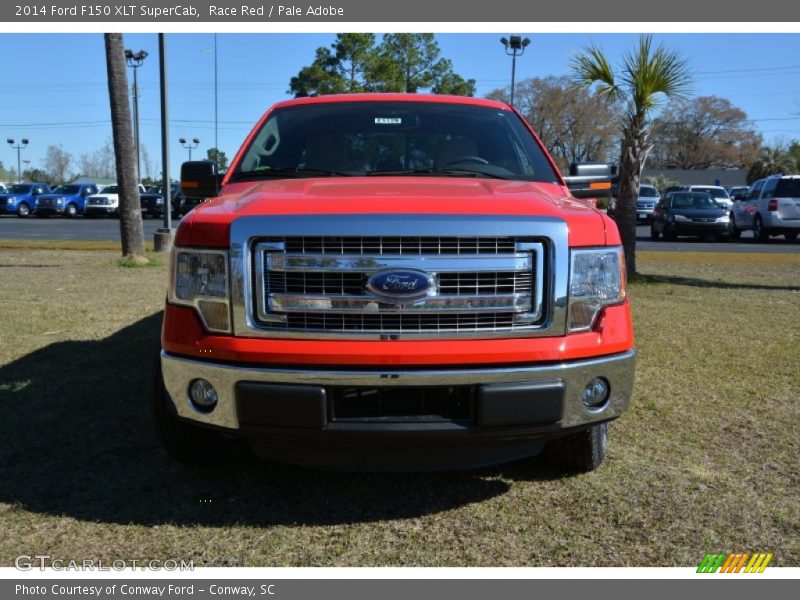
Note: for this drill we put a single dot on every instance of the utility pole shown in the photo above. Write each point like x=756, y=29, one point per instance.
x=516, y=44
x=19, y=148
x=135, y=60
x=162, y=239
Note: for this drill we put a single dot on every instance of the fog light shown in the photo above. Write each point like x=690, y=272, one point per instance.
x=202, y=395
x=596, y=393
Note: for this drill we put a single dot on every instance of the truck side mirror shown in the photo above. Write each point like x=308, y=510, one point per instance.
x=199, y=179
x=590, y=180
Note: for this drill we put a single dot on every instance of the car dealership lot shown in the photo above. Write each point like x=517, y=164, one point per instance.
x=105, y=229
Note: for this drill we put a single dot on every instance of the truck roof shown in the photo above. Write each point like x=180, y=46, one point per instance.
x=393, y=97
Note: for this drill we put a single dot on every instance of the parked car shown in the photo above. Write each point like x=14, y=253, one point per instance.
x=646, y=202
x=20, y=199
x=690, y=214
x=106, y=202
x=68, y=200
x=772, y=207
x=394, y=281
x=719, y=194
x=738, y=192
x=3, y=188
x=153, y=201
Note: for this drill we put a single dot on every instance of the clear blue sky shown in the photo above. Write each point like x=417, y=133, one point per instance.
x=53, y=87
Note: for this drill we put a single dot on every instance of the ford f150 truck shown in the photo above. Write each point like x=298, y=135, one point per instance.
x=392, y=281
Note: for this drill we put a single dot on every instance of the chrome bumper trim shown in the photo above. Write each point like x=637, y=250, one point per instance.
x=617, y=369
x=288, y=303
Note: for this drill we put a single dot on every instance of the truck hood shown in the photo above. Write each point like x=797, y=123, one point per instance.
x=209, y=223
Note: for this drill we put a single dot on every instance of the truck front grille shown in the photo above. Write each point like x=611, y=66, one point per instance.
x=404, y=245
x=343, y=284
x=318, y=286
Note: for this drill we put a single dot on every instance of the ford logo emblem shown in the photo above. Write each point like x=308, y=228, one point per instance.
x=401, y=283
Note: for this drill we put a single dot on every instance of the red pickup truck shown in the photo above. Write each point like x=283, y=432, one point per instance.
x=394, y=281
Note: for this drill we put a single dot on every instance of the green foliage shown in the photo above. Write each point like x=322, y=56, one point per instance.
x=219, y=157
x=772, y=161
x=662, y=182
x=402, y=62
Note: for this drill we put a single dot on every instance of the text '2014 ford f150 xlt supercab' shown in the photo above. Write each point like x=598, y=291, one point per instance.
x=394, y=281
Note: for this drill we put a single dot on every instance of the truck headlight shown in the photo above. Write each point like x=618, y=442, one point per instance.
x=597, y=280
x=199, y=278
x=59, y=202
x=724, y=219
x=682, y=219
x=10, y=200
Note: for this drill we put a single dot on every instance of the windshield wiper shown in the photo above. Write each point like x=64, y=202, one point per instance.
x=289, y=172
x=445, y=172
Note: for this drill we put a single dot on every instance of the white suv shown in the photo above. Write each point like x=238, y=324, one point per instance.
x=718, y=193
x=105, y=202
x=772, y=207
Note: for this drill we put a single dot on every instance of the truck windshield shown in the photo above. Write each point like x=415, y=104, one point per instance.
x=394, y=138
x=19, y=189
x=67, y=189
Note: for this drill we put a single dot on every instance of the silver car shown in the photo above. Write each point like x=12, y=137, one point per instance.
x=772, y=207
x=646, y=202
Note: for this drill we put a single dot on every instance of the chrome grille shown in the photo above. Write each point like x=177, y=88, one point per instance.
x=348, y=283
x=400, y=245
x=317, y=286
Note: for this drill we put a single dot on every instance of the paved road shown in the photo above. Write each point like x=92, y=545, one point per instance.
x=54, y=228
x=108, y=229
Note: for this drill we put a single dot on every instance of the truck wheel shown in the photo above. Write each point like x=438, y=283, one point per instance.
x=186, y=443
x=23, y=210
x=71, y=210
x=581, y=451
x=759, y=232
x=653, y=233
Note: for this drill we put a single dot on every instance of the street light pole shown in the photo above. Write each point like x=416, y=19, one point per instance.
x=515, y=46
x=19, y=148
x=163, y=238
x=189, y=145
x=135, y=60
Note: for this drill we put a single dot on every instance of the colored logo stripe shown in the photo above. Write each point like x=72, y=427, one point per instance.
x=735, y=563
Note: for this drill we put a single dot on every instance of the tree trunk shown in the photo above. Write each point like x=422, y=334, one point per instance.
x=632, y=159
x=130, y=208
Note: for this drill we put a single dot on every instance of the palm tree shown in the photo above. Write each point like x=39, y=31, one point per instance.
x=646, y=75
x=770, y=162
x=130, y=208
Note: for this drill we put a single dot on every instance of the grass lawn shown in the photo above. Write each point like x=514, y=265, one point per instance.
x=707, y=458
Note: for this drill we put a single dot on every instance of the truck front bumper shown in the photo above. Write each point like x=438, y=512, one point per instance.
x=327, y=417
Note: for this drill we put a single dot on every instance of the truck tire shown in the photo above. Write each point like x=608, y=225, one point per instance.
x=23, y=210
x=579, y=452
x=187, y=443
x=653, y=233
x=759, y=232
x=71, y=210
